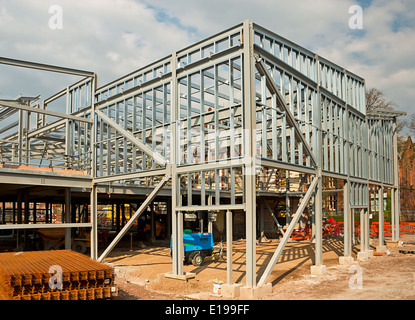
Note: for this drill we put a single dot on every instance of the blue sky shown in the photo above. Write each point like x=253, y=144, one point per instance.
x=115, y=37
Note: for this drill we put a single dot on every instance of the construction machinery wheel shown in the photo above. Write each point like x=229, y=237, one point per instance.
x=51, y=245
x=198, y=259
x=79, y=246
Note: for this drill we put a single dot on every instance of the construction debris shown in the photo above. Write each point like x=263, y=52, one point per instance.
x=54, y=275
x=407, y=251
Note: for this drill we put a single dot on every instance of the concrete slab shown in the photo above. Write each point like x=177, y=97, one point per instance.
x=184, y=277
x=320, y=270
x=249, y=293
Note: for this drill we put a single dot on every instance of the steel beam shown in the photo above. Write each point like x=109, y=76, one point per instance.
x=45, y=67
x=212, y=207
x=16, y=105
x=44, y=225
x=128, y=176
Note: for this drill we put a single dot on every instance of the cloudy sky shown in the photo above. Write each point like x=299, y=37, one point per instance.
x=115, y=37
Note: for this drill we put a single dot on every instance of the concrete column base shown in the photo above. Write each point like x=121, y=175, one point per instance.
x=370, y=253
x=320, y=270
x=249, y=293
x=362, y=255
x=346, y=260
x=381, y=249
x=231, y=290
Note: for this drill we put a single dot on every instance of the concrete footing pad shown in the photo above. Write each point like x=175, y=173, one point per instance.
x=364, y=255
x=346, y=260
x=231, y=290
x=381, y=249
x=250, y=293
x=320, y=270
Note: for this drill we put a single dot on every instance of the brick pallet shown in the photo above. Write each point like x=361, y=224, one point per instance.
x=28, y=276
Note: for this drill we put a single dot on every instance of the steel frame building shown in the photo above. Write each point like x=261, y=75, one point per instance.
x=215, y=126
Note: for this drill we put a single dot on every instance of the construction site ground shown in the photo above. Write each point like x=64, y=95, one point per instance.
x=387, y=277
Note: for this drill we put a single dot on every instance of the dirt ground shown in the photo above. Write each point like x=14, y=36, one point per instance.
x=387, y=277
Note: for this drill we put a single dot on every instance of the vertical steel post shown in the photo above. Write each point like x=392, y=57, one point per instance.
x=319, y=220
x=177, y=217
x=94, y=221
x=249, y=108
x=180, y=244
x=229, y=246
x=20, y=138
x=68, y=231
x=93, y=194
x=362, y=230
x=393, y=206
x=347, y=220
x=381, y=217
x=397, y=212
x=396, y=182
x=318, y=198
x=367, y=246
x=261, y=219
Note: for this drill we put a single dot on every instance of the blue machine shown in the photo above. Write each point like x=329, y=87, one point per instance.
x=196, y=246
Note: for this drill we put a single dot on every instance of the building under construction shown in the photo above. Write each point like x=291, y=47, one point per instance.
x=243, y=125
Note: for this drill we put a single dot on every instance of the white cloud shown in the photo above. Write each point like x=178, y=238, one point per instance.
x=115, y=37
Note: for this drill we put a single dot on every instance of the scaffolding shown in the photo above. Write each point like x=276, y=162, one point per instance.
x=221, y=125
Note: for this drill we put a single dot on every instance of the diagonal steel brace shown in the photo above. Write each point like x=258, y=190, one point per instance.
x=157, y=157
x=272, y=87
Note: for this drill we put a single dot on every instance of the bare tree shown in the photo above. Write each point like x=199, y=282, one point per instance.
x=411, y=124
x=376, y=100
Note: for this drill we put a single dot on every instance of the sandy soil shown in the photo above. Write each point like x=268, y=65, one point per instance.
x=391, y=276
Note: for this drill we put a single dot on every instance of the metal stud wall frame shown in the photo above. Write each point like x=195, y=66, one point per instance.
x=219, y=122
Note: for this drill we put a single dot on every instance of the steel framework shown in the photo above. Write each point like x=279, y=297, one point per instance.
x=214, y=124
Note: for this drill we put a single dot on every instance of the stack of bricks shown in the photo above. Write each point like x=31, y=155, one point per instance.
x=54, y=275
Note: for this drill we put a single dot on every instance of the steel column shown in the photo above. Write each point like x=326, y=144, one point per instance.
x=249, y=152
x=319, y=220
x=381, y=217
x=67, y=218
x=177, y=236
x=94, y=220
x=347, y=220
x=229, y=275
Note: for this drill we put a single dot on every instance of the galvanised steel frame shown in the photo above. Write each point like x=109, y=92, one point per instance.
x=216, y=123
